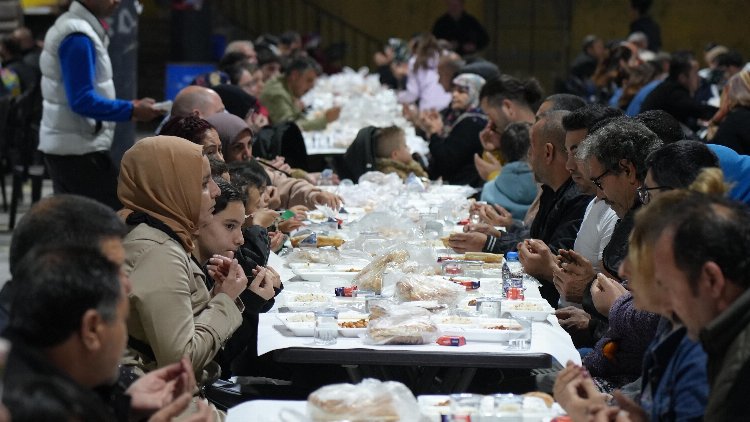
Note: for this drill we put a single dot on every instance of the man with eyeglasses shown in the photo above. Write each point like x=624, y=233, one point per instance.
x=615, y=158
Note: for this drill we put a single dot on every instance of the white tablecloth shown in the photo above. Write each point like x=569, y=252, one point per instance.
x=547, y=337
x=269, y=411
x=296, y=411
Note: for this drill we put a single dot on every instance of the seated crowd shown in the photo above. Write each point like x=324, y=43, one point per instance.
x=624, y=196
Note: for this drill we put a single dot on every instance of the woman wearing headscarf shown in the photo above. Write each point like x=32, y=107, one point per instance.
x=455, y=139
x=236, y=142
x=167, y=192
x=734, y=130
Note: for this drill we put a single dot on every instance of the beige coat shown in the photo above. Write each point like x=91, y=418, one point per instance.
x=170, y=307
x=292, y=191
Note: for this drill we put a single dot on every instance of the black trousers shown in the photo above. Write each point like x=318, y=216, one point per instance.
x=92, y=175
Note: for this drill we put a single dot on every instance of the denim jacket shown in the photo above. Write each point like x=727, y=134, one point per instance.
x=675, y=385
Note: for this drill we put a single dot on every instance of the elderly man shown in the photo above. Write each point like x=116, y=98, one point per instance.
x=615, y=157
x=197, y=101
x=562, y=204
x=282, y=96
x=80, y=107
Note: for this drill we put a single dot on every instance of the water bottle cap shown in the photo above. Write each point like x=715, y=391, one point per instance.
x=511, y=256
x=327, y=173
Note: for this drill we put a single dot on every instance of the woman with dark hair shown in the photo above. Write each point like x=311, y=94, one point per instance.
x=195, y=130
x=422, y=86
x=224, y=236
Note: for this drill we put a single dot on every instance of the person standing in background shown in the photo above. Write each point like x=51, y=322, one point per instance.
x=80, y=108
x=463, y=31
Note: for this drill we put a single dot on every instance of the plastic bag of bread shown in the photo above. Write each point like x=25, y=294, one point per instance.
x=414, y=287
x=371, y=277
x=315, y=240
x=370, y=400
x=394, y=324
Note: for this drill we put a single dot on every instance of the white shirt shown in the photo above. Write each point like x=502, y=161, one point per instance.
x=596, y=230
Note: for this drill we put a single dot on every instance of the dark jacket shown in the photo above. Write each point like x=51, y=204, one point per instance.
x=453, y=155
x=675, y=99
x=244, y=341
x=556, y=223
x=28, y=365
x=360, y=156
x=466, y=29
x=675, y=386
x=6, y=298
x=734, y=131
x=583, y=66
x=648, y=26
x=612, y=256
x=726, y=341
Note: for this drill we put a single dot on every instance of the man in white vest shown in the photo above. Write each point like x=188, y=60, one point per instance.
x=80, y=108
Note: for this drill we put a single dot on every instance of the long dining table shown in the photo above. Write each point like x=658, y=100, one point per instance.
x=417, y=364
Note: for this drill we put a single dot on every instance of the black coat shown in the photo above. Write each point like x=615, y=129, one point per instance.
x=452, y=157
x=734, y=131
x=675, y=99
x=466, y=29
x=556, y=223
x=27, y=368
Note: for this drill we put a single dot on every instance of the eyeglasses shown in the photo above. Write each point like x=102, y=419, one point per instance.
x=597, y=181
x=644, y=192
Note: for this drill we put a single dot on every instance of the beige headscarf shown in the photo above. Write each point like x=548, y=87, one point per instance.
x=161, y=176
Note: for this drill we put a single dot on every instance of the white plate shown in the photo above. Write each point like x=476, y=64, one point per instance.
x=300, y=302
x=352, y=332
x=541, y=309
x=479, y=330
x=323, y=275
x=300, y=324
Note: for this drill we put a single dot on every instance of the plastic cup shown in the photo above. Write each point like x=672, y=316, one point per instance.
x=326, y=327
x=522, y=340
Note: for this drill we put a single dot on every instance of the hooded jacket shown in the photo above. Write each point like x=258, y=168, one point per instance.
x=514, y=189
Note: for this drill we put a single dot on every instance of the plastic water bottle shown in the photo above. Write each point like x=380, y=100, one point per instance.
x=512, y=272
x=326, y=178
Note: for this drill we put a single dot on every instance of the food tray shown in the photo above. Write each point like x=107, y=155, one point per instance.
x=479, y=329
x=352, y=318
x=300, y=302
x=319, y=272
x=300, y=324
x=535, y=309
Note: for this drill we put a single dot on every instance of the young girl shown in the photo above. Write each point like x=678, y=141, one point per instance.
x=223, y=236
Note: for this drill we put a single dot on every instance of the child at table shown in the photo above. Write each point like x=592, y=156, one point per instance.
x=392, y=155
